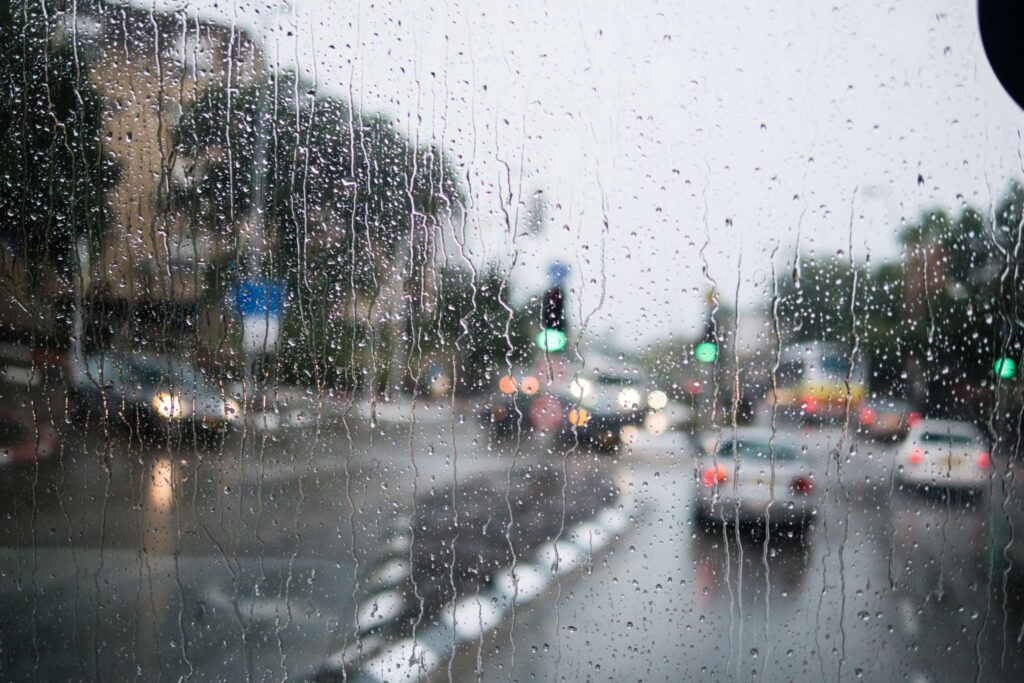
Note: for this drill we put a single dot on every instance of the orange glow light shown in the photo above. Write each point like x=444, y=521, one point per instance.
x=530, y=386
x=578, y=416
x=507, y=384
x=713, y=475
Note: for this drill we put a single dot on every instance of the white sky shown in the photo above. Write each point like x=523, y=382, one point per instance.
x=652, y=115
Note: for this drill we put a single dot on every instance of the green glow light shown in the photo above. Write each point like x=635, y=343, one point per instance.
x=1005, y=368
x=706, y=352
x=551, y=340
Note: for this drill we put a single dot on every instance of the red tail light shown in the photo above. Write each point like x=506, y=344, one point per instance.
x=809, y=404
x=913, y=418
x=802, y=485
x=713, y=475
x=916, y=456
x=983, y=460
x=867, y=416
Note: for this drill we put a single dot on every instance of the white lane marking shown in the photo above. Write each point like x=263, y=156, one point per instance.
x=473, y=616
x=380, y=609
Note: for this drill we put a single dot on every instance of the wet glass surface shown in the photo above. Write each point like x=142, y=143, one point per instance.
x=414, y=341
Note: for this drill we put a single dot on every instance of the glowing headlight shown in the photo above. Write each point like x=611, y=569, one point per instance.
x=657, y=399
x=232, y=411
x=629, y=399
x=507, y=384
x=656, y=423
x=580, y=387
x=171, y=406
x=578, y=417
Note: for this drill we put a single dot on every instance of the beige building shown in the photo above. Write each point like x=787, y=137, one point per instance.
x=149, y=67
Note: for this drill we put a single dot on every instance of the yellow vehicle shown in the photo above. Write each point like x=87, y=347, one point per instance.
x=814, y=380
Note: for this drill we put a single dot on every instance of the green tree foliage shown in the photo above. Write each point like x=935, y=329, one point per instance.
x=932, y=321
x=339, y=182
x=55, y=172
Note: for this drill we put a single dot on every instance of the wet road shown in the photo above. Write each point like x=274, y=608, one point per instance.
x=253, y=559
x=900, y=586
x=275, y=556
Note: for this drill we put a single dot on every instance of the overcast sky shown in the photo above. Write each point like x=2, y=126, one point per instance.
x=653, y=127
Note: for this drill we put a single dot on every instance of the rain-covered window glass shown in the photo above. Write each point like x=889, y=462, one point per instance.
x=544, y=341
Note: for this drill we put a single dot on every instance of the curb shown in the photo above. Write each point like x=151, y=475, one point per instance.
x=371, y=659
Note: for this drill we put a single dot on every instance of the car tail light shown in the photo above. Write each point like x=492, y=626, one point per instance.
x=913, y=418
x=714, y=475
x=983, y=460
x=867, y=416
x=802, y=485
x=808, y=404
x=916, y=456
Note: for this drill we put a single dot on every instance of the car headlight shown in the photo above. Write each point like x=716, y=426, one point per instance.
x=580, y=387
x=657, y=399
x=578, y=417
x=629, y=399
x=232, y=411
x=171, y=406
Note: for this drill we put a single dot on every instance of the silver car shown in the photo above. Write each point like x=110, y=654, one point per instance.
x=944, y=453
x=761, y=475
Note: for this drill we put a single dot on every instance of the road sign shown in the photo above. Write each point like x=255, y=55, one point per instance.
x=557, y=272
x=259, y=297
x=260, y=303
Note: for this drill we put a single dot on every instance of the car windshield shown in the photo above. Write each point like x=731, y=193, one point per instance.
x=156, y=373
x=758, y=450
x=462, y=341
x=948, y=438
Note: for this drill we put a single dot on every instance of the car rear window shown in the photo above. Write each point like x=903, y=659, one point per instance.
x=758, y=449
x=950, y=439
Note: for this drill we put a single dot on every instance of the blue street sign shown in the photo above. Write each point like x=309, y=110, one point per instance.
x=259, y=297
x=557, y=272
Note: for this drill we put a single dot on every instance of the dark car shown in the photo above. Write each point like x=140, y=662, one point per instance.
x=23, y=439
x=597, y=408
x=508, y=410
x=886, y=419
x=156, y=394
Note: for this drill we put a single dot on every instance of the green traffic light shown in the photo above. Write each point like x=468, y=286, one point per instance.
x=1005, y=368
x=551, y=340
x=706, y=352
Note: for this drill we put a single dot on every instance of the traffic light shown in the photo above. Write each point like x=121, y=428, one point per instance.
x=551, y=340
x=706, y=351
x=554, y=309
x=1004, y=368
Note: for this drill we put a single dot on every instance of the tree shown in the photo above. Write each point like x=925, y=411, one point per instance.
x=931, y=323
x=55, y=172
x=347, y=185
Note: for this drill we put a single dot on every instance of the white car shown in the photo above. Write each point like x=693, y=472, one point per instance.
x=725, y=491
x=944, y=453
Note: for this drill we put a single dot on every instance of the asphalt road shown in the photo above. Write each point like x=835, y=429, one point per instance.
x=253, y=559
x=885, y=585
x=274, y=556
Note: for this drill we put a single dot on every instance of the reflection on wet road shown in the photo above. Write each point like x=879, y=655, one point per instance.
x=307, y=558
x=877, y=588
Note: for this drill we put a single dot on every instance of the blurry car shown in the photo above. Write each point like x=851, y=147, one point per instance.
x=886, y=419
x=24, y=440
x=507, y=409
x=944, y=453
x=151, y=392
x=722, y=492
x=596, y=408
